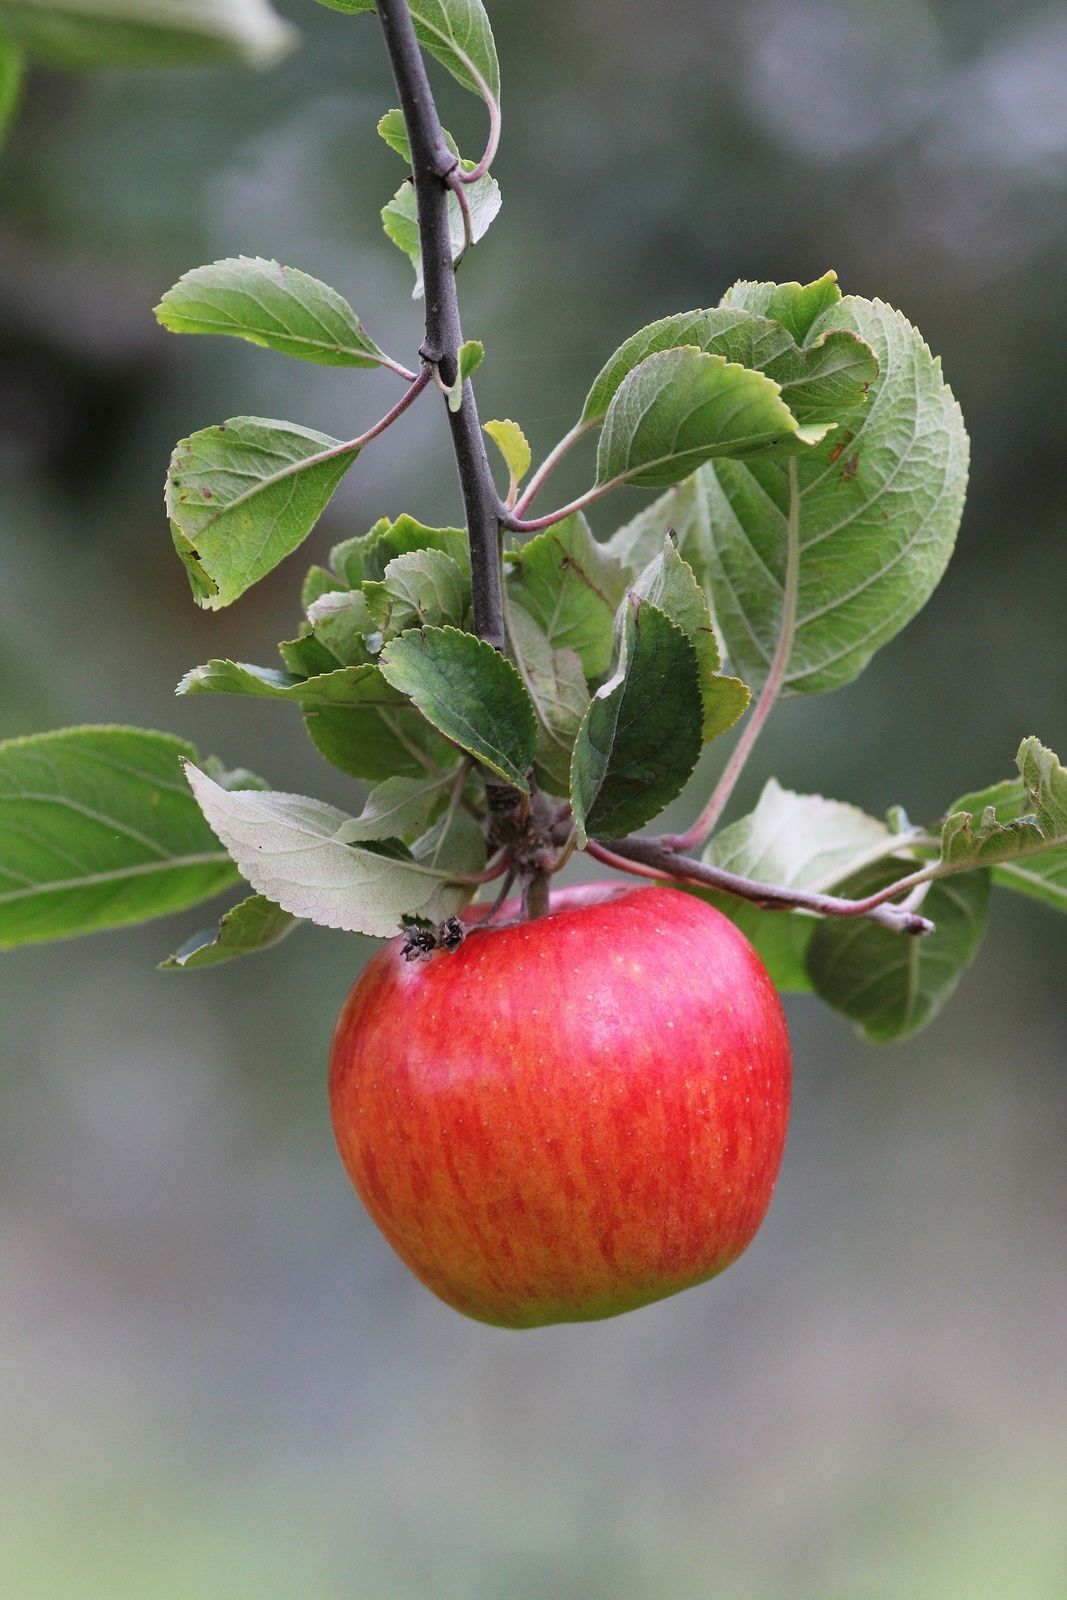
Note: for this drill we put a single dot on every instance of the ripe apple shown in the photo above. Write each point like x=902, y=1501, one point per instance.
x=570, y=1117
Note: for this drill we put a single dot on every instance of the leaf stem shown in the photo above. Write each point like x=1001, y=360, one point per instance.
x=432, y=163
x=657, y=859
x=534, y=524
x=705, y=823
x=492, y=105
x=549, y=465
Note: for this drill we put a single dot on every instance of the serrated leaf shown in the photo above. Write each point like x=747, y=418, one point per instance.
x=276, y=307
x=288, y=847
x=243, y=495
x=456, y=843
x=366, y=558
x=11, y=75
x=392, y=129
x=1017, y=828
x=253, y=925
x=343, y=626
x=456, y=32
x=816, y=383
x=556, y=684
x=401, y=223
x=398, y=808
x=797, y=306
x=893, y=984
x=424, y=588
x=379, y=735
x=147, y=33
x=879, y=504
x=307, y=657
x=670, y=583
x=680, y=408
x=340, y=687
x=317, y=582
x=470, y=694
x=514, y=447
x=684, y=508
x=97, y=830
x=795, y=841
x=572, y=587
x=641, y=736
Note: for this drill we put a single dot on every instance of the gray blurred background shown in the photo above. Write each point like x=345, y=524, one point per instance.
x=217, y=1383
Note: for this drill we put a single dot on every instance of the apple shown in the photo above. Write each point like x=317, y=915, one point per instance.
x=566, y=1118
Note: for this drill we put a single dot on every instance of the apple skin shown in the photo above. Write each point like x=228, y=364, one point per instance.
x=567, y=1118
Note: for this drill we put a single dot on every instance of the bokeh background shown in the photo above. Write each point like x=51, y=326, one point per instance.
x=217, y=1383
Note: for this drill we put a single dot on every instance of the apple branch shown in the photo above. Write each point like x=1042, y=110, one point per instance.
x=655, y=858
x=433, y=164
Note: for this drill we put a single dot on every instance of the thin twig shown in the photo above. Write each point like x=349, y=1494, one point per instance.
x=668, y=863
x=492, y=105
x=432, y=164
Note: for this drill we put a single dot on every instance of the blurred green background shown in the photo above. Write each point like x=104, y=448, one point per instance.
x=217, y=1382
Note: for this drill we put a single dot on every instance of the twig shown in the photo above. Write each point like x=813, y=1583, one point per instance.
x=432, y=162
x=658, y=859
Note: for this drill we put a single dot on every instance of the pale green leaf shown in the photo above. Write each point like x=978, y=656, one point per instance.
x=344, y=626
x=243, y=495
x=797, y=306
x=424, y=588
x=98, y=830
x=340, y=687
x=1017, y=828
x=470, y=694
x=879, y=504
x=273, y=306
x=794, y=841
x=571, y=587
x=670, y=583
x=469, y=358
x=401, y=223
x=556, y=684
x=642, y=733
x=892, y=984
x=255, y=924
x=398, y=808
x=513, y=446
x=680, y=408
x=147, y=33
x=289, y=849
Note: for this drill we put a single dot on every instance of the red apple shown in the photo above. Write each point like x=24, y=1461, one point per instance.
x=567, y=1118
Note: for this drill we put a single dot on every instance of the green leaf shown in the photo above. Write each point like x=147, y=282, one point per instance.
x=795, y=841
x=469, y=358
x=1017, y=828
x=680, y=408
x=367, y=557
x=254, y=925
x=243, y=495
x=892, y=984
x=456, y=32
x=684, y=509
x=147, y=33
x=401, y=223
x=393, y=130
x=796, y=306
x=816, y=384
x=273, y=306
x=571, y=587
x=514, y=447
x=424, y=588
x=642, y=734
x=398, y=808
x=307, y=657
x=337, y=688
x=318, y=582
x=97, y=830
x=879, y=505
x=455, y=841
x=379, y=735
x=470, y=694
x=289, y=849
x=11, y=75
x=556, y=684
x=670, y=583
x=344, y=626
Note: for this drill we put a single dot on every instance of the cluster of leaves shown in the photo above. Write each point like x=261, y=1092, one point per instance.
x=813, y=467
